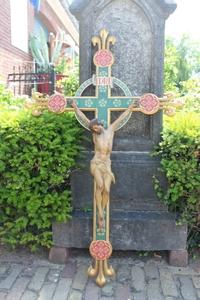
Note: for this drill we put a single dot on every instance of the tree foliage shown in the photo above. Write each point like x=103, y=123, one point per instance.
x=182, y=62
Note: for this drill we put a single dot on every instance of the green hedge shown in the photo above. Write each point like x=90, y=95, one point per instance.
x=37, y=156
x=180, y=161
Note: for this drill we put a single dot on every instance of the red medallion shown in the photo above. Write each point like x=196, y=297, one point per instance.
x=103, y=58
x=149, y=104
x=100, y=250
x=57, y=103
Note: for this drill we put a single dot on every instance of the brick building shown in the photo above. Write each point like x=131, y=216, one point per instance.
x=20, y=18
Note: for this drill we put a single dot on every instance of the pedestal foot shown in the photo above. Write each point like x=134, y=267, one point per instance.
x=93, y=271
x=100, y=270
x=101, y=280
x=109, y=271
x=58, y=255
x=178, y=258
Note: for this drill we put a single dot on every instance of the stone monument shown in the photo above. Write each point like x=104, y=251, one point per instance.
x=139, y=221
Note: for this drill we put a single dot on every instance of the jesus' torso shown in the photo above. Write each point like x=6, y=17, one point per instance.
x=103, y=144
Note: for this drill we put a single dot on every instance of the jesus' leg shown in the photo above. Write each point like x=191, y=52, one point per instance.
x=99, y=186
x=106, y=190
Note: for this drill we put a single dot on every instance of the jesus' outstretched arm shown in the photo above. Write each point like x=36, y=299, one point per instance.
x=81, y=116
x=116, y=124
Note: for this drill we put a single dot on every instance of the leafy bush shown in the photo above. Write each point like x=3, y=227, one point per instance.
x=69, y=85
x=62, y=66
x=7, y=99
x=6, y=96
x=37, y=156
x=180, y=158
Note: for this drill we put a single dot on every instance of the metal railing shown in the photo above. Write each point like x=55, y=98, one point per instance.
x=24, y=79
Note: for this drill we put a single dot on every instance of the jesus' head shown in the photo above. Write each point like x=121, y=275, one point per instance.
x=96, y=126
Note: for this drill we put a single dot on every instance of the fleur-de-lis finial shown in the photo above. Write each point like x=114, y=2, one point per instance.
x=104, y=41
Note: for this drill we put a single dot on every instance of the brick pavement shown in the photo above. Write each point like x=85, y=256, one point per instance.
x=25, y=276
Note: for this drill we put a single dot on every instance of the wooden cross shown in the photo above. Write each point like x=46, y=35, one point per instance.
x=103, y=103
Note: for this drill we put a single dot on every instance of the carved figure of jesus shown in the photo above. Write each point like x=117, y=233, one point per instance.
x=100, y=165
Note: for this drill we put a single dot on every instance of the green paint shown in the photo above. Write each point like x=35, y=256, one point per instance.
x=103, y=102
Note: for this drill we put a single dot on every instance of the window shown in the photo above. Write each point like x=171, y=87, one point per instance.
x=19, y=24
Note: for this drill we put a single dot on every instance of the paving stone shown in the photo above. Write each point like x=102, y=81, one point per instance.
x=129, y=261
x=153, y=290
x=83, y=260
x=196, y=281
x=47, y=291
x=106, y=298
x=38, y=279
x=75, y=295
x=29, y=295
x=80, y=278
x=10, y=279
x=138, y=263
x=198, y=294
x=92, y=291
x=124, y=262
x=123, y=273
x=62, y=289
x=53, y=275
x=108, y=290
x=187, y=290
x=151, y=271
x=182, y=271
x=28, y=272
x=138, y=278
x=139, y=296
x=18, y=288
x=38, y=262
x=170, y=298
x=2, y=296
x=3, y=270
x=167, y=283
x=69, y=270
x=159, y=263
x=122, y=292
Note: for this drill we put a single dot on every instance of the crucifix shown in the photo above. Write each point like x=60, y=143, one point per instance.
x=103, y=104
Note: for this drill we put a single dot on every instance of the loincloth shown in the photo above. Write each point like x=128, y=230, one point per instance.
x=104, y=167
